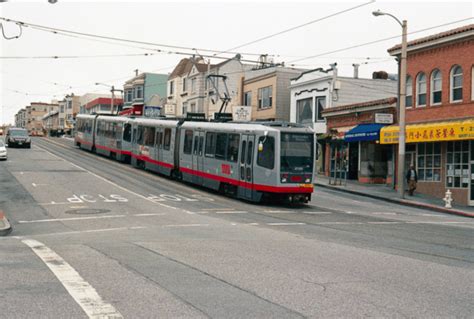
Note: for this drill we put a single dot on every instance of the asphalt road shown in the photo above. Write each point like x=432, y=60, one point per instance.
x=96, y=238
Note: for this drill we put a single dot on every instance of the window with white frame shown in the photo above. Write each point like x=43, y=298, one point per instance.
x=265, y=97
x=429, y=162
x=128, y=95
x=184, y=84
x=171, y=88
x=409, y=92
x=185, y=108
x=193, y=85
x=456, y=83
x=457, y=164
x=304, y=111
x=139, y=92
x=421, y=89
x=320, y=106
x=436, y=87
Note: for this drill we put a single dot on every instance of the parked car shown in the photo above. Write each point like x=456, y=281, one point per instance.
x=18, y=137
x=3, y=150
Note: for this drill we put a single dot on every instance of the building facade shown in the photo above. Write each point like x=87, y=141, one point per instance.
x=35, y=112
x=144, y=91
x=315, y=91
x=357, y=154
x=102, y=105
x=21, y=118
x=267, y=91
x=440, y=113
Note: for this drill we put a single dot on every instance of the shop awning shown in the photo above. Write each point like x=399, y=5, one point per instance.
x=430, y=132
x=364, y=132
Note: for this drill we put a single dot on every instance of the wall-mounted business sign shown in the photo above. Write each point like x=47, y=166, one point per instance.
x=242, y=113
x=152, y=111
x=383, y=118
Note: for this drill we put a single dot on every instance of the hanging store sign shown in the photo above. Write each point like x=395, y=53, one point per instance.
x=383, y=118
x=432, y=132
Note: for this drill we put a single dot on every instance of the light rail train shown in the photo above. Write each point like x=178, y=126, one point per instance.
x=253, y=161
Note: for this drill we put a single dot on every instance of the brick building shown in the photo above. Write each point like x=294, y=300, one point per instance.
x=440, y=113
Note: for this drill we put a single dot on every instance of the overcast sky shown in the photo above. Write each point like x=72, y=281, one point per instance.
x=217, y=25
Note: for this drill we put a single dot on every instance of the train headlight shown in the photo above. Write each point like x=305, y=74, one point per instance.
x=308, y=180
x=283, y=179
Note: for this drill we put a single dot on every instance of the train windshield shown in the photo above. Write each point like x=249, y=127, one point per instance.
x=297, y=153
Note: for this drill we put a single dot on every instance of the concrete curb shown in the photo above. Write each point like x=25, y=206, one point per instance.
x=5, y=227
x=400, y=201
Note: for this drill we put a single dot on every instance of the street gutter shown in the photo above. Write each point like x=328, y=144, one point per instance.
x=400, y=201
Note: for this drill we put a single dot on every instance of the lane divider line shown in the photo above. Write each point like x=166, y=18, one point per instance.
x=232, y=212
x=68, y=219
x=80, y=290
x=186, y=225
x=74, y=232
x=285, y=224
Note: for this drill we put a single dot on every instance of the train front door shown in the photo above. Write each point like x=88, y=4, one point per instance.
x=247, y=146
x=198, y=153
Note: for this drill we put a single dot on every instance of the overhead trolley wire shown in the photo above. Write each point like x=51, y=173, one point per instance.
x=295, y=27
x=377, y=41
x=103, y=37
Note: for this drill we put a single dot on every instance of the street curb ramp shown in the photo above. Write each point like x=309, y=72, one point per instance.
x=5, y=227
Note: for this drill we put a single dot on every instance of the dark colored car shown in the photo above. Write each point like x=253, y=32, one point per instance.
x=18, y=137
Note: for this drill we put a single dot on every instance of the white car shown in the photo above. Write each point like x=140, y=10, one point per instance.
x=3, y=150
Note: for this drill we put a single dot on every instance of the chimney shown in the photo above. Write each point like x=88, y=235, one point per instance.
x=356, y=70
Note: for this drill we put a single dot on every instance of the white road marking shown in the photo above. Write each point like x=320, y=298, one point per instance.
x=434, y=215
x=108, y=181
x=439, y=222
x=36, y=185
x=384, y=213
x=77, y=207
x=253, y=224
x=285, y=224
x=68, y=219
x=384, y=223
x=279, y=211
x=189, y=212
x=232, y=212
x=233, y=224
x=219, y=209
x=186, y=225
x=317, y=213
x=73, y=232
x=79, y=289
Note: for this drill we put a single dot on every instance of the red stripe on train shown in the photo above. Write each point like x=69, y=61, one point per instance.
x=150, y=160
x=257, y=187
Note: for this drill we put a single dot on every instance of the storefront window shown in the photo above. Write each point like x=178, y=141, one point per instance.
x=429, y=162
x=457, y=164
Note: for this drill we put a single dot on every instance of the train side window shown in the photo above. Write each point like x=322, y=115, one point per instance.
x=127, y=132
x=159, y=139
x=167, y=141
x=233, y=147
x=266, y=157
x=201, y=142
x=140, y=135
x=242, y=155
x=249, y=153
x=221, y=145
x=149, y=136
x=210, y=144
x=188, y=142
x=196, y=145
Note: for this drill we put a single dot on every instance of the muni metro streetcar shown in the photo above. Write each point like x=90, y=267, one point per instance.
x=251, y=160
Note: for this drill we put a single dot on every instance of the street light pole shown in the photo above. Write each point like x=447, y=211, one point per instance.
x=402, y=105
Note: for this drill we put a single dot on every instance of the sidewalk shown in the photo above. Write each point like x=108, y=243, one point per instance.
x=388, y=194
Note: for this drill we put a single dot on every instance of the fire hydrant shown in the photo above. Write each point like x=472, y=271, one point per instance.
x=448, y=199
